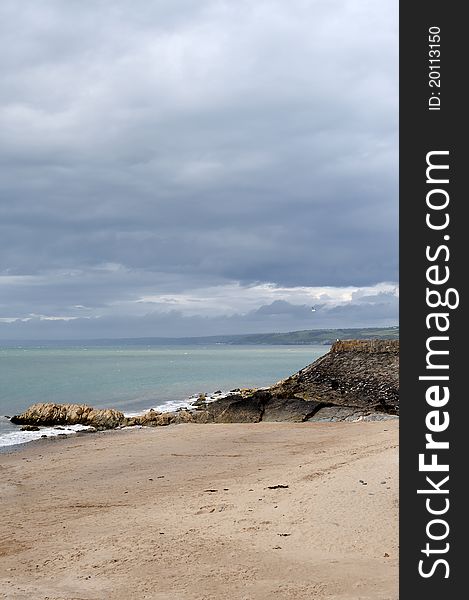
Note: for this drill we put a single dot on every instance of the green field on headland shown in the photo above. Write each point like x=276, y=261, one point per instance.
x=297, y=338
x=310, y=336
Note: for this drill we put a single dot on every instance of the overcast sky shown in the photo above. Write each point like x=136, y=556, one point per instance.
x=196, y=167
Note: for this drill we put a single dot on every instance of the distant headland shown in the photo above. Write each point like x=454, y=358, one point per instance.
x=297, y=338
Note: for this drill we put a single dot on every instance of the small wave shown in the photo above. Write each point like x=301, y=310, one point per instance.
x=173, y=405
x=13, y=438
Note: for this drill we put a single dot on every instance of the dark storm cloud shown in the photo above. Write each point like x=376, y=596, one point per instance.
x=192, y=144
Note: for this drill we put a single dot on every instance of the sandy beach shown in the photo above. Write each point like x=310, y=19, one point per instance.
x=204, y=512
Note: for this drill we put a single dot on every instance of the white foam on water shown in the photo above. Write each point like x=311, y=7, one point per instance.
x=13, y=438
x=173, y=405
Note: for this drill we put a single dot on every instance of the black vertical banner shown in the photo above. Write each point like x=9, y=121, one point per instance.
x=433, y=257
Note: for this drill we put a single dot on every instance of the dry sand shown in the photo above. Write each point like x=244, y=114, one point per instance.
x=185, y=513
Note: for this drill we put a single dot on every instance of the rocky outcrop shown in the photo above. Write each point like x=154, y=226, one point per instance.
x=358, y=373
x=354, y=380
x=153, y=418
x=50, y=414
x=100, y=418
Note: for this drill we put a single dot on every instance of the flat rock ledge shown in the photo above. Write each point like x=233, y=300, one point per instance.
x=355, y=380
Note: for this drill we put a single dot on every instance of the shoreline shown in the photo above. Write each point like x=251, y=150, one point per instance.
x=248, y=510
x=55, y=439
x=168, y=407
x=51, y=439
x=355, y=380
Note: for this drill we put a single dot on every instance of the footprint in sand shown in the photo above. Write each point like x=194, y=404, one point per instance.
x=211, y=508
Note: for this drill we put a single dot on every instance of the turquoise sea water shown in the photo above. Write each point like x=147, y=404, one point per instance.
x=136, y=378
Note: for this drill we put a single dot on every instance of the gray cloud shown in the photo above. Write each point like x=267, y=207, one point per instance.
x=278, y=316
x=194, y=144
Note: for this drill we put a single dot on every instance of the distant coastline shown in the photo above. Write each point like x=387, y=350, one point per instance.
x=293, y=338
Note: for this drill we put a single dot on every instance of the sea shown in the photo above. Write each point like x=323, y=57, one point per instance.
x=133, y=378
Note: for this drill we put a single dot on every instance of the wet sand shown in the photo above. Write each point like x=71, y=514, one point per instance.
x=204, y=512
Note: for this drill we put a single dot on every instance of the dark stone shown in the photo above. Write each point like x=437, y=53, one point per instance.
x=290, y=409
x=234, y=408
x=199, y=402
x=242, y=411
x=29, y=428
